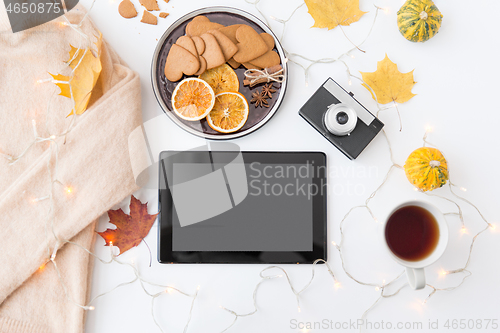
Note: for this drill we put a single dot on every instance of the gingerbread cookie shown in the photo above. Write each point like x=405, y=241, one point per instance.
x=164, y=15
x=180, y=61
x=268, y=39
x=203, y=66
x=270, y=58
x=200, y=25
x=233, y=63
x=200, y=44
x=149, y=18
x=250, y=66
x=127, y=9
x=230, y=32
x=213, y=53
x=150, y=4
x=228, y=48
x=187, y=43
x=250, y=44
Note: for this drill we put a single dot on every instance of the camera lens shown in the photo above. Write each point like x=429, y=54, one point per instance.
x=342, y=118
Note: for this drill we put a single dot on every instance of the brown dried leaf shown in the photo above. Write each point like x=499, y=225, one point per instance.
x=130, y=229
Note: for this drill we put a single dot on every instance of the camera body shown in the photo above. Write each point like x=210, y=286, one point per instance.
x=341, y=119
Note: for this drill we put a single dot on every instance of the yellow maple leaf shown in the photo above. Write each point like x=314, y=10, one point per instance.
x=86, y=70
x=331, y=13
x=388, y=83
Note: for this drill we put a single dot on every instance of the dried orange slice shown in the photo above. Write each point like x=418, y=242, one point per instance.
x=222, y=78
x=193, y=99
x=230, y=112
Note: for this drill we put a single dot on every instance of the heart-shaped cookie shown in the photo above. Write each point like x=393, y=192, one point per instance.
x=199, y=43
x=188, y=44
x=200, y=25
x=227, y=46
x=250, y=44
x=203, y=66
x=213, y=53
x=233, y=63
x=270, y=58
x=230, y=32
x=180, y=61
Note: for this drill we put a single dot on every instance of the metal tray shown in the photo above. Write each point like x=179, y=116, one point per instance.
x=164, y=88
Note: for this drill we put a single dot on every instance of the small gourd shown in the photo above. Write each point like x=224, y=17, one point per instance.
x=426, y=169
x=419, y=20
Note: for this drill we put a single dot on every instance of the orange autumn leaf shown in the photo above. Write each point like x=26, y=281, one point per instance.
x=130, y=229
x=86, y=65
x=332, y=13
x=388, y=83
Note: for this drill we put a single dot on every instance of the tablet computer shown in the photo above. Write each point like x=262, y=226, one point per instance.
x=242, y=207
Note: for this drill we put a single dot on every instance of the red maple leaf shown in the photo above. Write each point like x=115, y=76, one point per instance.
x=130, y=229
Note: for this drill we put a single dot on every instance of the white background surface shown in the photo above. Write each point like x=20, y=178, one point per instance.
x=457, y=94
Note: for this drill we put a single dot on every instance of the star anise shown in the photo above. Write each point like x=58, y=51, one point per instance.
x=259, y=99
x=267, y=90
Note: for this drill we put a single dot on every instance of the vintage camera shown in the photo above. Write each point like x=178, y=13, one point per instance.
x=341, y=119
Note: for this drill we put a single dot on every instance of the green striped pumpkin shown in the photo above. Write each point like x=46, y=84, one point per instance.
x=419, y=20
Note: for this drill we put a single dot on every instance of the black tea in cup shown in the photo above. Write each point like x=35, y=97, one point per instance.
x=412, y=233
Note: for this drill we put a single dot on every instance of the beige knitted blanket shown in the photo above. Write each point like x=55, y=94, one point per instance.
x=93, y=159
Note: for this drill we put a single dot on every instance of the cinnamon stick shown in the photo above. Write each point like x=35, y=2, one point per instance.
x=250, y=77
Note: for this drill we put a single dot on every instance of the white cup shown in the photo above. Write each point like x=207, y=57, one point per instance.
x=415, y=269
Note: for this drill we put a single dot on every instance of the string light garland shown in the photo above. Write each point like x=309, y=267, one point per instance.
x=56, y=184
x=295, y=291
x=290, y=56
x=380, y=108
x=381, y=287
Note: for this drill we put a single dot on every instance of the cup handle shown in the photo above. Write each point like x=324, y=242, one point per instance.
x=416, y=278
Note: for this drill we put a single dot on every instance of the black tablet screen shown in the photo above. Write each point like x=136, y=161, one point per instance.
x=227, y=202
x=275, y=215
